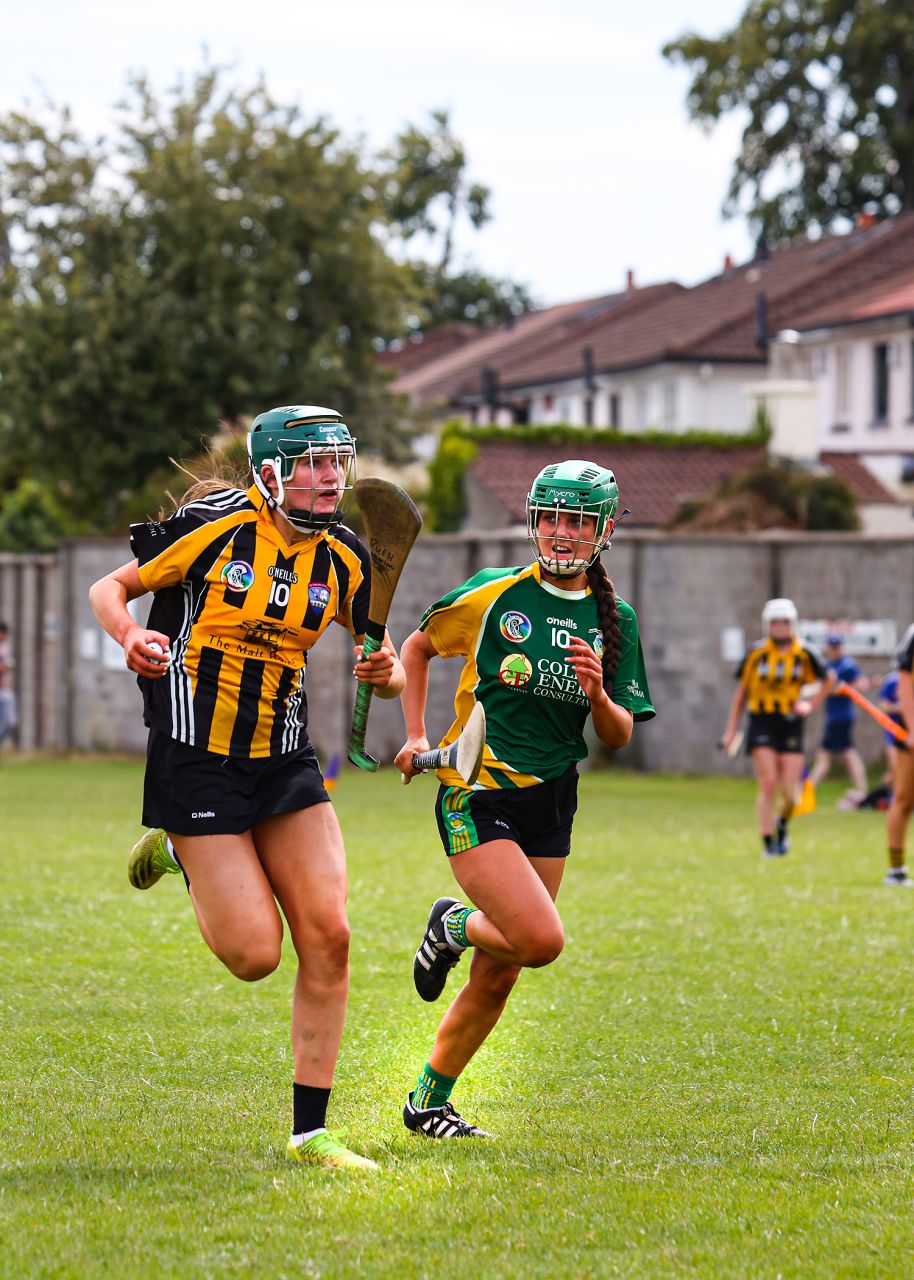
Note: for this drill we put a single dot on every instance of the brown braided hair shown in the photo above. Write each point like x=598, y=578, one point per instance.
x=608, y=614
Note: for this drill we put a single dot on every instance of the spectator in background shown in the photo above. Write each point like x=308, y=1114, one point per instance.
x=9, y=718
x=840, y=714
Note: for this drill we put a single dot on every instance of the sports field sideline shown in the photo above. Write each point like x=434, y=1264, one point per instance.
x=714, y=1079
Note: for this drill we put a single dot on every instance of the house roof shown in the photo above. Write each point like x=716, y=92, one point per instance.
x=460, y=371
x=891, y=295
x=713, y=321
x=858, y=478
x=431, y=344
x=654, y=480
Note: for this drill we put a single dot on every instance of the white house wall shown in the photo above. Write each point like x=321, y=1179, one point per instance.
x=666, y=398
x=846, y=420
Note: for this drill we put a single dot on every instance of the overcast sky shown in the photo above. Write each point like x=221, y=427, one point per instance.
x=567, y=110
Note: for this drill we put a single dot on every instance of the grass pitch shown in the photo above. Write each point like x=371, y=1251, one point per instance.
x=715, y=1079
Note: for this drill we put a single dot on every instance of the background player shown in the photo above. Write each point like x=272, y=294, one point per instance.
x=840, y=715
x=769, y=680
x=544, y=647
x=899, y=811
x=244, y=584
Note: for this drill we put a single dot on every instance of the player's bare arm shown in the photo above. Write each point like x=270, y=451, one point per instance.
x=737, y=702
x=144, y=648
x=416, y=656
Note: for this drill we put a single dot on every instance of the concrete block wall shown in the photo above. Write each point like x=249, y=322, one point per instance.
x=686, y=592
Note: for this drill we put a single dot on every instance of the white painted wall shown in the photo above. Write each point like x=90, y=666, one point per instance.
x=841, y=363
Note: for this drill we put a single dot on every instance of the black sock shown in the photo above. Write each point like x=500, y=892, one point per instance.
x=782, y=828
x=309, y=1107
x=769, y=843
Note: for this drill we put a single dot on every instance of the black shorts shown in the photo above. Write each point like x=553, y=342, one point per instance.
x=780, y=733
x=537, y=818
x=192, y=792
x=838, y=737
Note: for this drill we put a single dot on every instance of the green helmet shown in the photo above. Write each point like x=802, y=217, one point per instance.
x=281, y=436
x=584, y=489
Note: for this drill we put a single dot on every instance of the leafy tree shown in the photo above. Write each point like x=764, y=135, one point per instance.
x=30, y=519
x=828, y=88
x=218, y=256
x=426, y=191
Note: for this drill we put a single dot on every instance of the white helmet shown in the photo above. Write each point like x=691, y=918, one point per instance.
x=780, y=609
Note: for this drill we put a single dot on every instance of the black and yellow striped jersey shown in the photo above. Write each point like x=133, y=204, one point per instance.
x=242, y=608
x=773, y=676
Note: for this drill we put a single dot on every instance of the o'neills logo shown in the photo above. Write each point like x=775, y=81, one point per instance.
x=282, y=575
x=515, y=670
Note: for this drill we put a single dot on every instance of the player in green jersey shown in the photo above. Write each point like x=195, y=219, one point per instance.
x=544, y=646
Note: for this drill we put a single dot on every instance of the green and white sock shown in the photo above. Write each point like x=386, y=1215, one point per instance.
x=432, y=1088
x=455, y=925
x=170, y=850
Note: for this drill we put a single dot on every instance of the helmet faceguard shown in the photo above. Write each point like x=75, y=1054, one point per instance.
x=780, y=610
x=280, y=437
x=574, y=489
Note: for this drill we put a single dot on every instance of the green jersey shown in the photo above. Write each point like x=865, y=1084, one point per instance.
x=513, y=630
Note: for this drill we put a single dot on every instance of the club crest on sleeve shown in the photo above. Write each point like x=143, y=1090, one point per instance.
x=515, y=626
x=238, y=575
x=515, y=670
x=318, y=595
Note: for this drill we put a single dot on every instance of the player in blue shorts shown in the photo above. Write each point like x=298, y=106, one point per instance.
x=840, y=714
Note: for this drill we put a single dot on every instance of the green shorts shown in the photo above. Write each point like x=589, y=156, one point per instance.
x=538, y=818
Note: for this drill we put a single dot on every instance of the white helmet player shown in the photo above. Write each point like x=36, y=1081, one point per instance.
x=779, y=610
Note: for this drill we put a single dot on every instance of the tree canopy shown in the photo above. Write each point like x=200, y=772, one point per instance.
x=219, y=254
x=827, y=90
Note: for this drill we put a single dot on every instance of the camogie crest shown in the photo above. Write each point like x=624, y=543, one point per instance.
x=515, y=626
x=238, y=575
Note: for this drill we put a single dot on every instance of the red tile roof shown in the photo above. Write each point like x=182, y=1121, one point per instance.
x=714, y=321
x=654, y=480
x=889, y=296
x=858, y=478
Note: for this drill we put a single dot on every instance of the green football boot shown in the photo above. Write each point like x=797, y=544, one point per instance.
x=326, y=1151
x=149, y=860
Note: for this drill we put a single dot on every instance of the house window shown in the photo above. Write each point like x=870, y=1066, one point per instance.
x=614, y=408
x=880, y=384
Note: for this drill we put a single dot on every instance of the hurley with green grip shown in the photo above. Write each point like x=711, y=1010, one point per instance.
x=392, y=523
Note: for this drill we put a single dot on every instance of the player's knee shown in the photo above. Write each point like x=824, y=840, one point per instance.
x=253, y=961
x=326, y=953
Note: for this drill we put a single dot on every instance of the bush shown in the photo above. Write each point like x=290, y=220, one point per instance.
x=446, y=500
x=31, y=520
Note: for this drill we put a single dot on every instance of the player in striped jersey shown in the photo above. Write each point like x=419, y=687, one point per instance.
x=544, y=647
x=244, y=584
x=770, y=678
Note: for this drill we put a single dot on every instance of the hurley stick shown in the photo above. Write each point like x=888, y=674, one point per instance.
x=392, y=523
x=464, y=754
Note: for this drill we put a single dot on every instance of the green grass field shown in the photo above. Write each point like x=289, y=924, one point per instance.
x=715, y=1078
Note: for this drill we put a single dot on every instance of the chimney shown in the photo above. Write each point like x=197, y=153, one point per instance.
x=728, y=262
x=864, y=221
x=629, y=280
